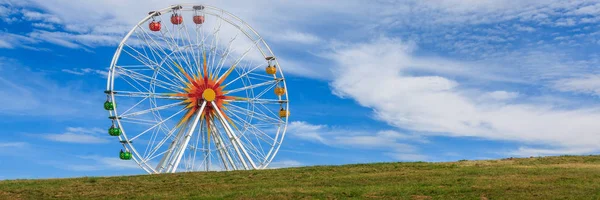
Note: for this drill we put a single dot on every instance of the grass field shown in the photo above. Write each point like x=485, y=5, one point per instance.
x=562, y=177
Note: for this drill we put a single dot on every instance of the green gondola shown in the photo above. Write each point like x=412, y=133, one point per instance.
x=114, y=131
x=109, y=105
x=125, y=155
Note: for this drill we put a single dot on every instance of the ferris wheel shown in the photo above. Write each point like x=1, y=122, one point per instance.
x=195, y=88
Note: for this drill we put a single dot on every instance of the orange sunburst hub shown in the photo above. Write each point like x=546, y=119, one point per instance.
x=199, y=89
x=203, y=89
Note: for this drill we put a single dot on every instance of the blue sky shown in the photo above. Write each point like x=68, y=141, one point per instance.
x=368, y=81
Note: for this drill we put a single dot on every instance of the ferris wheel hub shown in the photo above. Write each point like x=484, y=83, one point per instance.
x=209, y=94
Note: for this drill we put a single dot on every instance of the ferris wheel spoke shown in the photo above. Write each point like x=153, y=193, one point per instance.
x=162, y=142
x=142, y=67
x=183, y=53
x=134, y=105
x=186, y=139
x=224, y=154
x=155, y=54
x=173, y=44
x=135, y=79
x=272, y=82
x=198, y=49
x=146, y=95
x=252, y=148
x=198, y=134
x=138, y=121
x=223, y=57
x=267, y=77
x=257, y=101
x=149, y=63
x=244, y=74
x=268, y=110
x=229, y=147
x=238, y=60
x=131, y=84
x=257, y=115
x=258, y=153
x=250, y=126
x=263, y=92
x=155, y=156
x=232, y=135
x=168, y=60
x=150, y=142
x=201, y=43
x=141, y=112
x=196, y=62
x=214, y=44
x=166, y=160
x=150, y=80
x=157, y=124
x=260, y=79
x=157, y=115
x=255, y=124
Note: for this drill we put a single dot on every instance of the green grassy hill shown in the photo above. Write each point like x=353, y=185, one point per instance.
x=562, y=177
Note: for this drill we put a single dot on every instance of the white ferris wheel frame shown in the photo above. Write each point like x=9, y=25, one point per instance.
x=251, y=34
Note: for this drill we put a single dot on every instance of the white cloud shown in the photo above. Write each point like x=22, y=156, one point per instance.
x=44, y=26
x=37, y=95
x=12, y=144
x=73, y=72
x=284, y=164
x=306, y=131
x=7, y=13
x=94, y=163
x=111, y=163
x=296, y=37
x=589, y=84
x=10, y=41
x=408, y=156
x=593, y=9
x=498, y=96
x=103, y=23
x=392, y=142
x=527, y=151
x=441, y=106
x=37, y=16
x=86, y=71
x=79, y=135
x=524, y=28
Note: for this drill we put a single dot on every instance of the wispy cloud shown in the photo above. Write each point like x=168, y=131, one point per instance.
x=589, y=84
x=393, y=142
x=11, y=41
x=85, y=71
x=94, y=163
x=529, y=151
x=408, y=156
x=44, y=26
x=12, y=144
x=37, y=16
x=79, y=135
x=295, y=37
x=284, y=164
x=33, y=96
